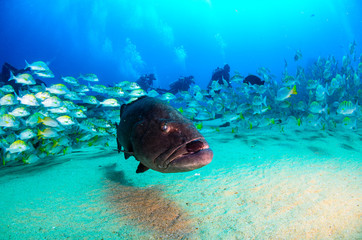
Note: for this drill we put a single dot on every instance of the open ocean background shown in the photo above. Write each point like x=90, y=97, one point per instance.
x=120, y=40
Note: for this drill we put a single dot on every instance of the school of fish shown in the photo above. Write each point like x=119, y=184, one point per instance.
x=45, y=121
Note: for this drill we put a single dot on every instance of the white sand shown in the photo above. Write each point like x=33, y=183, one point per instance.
x=262, y=184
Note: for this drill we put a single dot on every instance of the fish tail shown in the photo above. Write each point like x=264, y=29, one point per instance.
x=294, y=90
x=264, y=101
x=27, y=64
x=12, y=77
x=39, y=134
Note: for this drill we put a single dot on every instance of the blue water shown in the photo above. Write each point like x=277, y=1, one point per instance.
x=281, y=181
x=120, y=40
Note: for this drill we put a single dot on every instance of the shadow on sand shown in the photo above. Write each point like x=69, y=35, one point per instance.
x=145, y=208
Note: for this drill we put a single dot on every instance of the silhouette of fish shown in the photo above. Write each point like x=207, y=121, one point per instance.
x=162, y=139
x=252, y=79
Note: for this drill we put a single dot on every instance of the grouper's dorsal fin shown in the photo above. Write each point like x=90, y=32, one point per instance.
x=123, y=107
x=141, y=168
x=121, y=110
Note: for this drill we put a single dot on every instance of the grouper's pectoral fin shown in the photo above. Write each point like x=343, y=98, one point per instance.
x=129, y=151
x=141, y=168
x=127, y=155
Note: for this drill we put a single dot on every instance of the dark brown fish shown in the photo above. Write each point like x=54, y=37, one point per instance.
x=254, y=80
x=158, y=136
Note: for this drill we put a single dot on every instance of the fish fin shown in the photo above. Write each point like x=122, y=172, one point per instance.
x=27, y=64
x=119, y=147
x=12, y=77
x=122, y=109
x=127, y=155
x=141, y=168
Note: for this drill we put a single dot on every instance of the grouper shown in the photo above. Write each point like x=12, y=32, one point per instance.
x=160, y=137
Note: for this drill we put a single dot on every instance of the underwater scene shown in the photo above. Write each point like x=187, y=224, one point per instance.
x=193, y=119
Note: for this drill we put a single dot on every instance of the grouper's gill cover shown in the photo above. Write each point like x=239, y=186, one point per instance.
x=160, y=138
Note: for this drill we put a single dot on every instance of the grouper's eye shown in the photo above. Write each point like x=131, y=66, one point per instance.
x=164, y=127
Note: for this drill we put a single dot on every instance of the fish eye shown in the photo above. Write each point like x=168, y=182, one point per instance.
x=164, y=127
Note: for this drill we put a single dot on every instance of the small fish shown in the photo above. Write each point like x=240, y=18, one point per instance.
x=81, y=88
x=65, y=120
x=37, y=66
x=20, y=112
x=48, y=121
x=111, y=102
x=285, y=93
x=316, y=107
x=28, y=99
x=72, y=96
x=17, y=147
x=52, y=101
x=27, y=134
x=100, y=122
x=59, y=89
x=115, y=91
x=71, y=80
x=290, y=81
x=8, y=100
x=8, y=121
x=90, y=99
x=153, y=93
x=25, y=78
x=7, y=89
x=137, y=93
x=160, y=138
x=313, y=120
x=312, y=84
x=47, y=133
x=98, y=88
x=36, y=88
x=45, y=74
x=91, y=77
x=33, y=120
x=203, y=115
x=126, y=85
x=79, y=114
x=259, y=100
x=58, y=110
x=321, y=92
x=285, y=104
x=301, y=106
x=42, y=95
x=167, y=96
x=347, y=108
x=347, y=123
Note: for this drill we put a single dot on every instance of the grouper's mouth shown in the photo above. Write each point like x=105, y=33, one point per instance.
x=191, y=155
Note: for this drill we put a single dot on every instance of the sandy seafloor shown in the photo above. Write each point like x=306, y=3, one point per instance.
x=261, y=184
